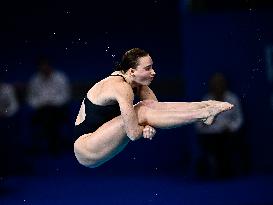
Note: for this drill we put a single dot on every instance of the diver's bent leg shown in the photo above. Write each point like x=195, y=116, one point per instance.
x=177, y=106
x=169, y=119
x=186, y=107
x=95, y=148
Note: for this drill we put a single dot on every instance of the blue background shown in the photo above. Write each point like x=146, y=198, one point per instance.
x=187, y=48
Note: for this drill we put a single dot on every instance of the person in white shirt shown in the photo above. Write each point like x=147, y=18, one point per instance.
x=216, y=141
x=48, y=95
x=8, y=101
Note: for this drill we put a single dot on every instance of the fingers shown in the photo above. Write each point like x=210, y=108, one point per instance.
x=149, y=132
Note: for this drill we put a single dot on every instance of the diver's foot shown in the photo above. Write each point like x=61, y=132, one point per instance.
x=215, y=108
x=209, y=120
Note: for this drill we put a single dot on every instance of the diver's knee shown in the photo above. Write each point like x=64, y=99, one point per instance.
x=146, y=103
x=149, y=103
x=141, y=109
x=83, y=156
x=87, y=161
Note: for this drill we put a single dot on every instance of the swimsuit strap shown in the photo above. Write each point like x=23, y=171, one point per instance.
x=119, y=75
x=134, y=89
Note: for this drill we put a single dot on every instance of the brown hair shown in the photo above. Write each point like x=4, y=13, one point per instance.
x=130, y=59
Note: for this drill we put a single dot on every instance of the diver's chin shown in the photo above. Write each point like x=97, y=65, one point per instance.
x=148, y=83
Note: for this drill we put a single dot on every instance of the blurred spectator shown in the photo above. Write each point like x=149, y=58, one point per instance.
x=8, y=101
x=9, y=128
x=221, y=142
x=48, y=95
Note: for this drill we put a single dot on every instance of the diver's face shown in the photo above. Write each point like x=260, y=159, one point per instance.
x=144, y=73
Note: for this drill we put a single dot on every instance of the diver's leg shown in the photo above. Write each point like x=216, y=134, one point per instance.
x=179, y=106
x=95, y=148
x=185, y=106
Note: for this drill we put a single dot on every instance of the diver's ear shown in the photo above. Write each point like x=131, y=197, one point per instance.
x=132, y=71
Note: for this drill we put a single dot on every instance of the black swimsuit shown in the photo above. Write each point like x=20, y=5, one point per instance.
x=96, y=115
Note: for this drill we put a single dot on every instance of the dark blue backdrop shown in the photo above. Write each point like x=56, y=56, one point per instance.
x=234, y=43
x=186, y=47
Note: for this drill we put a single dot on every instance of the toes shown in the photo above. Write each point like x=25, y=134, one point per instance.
x=209, y=120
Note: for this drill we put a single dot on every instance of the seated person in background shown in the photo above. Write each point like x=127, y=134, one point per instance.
x=48, y=95
x=217, y=140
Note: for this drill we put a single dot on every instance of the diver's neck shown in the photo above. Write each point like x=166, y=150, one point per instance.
x=127, y=78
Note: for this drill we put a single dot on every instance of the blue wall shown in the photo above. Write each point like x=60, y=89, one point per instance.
x=233, y=43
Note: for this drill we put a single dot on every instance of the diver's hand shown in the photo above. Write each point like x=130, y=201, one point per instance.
x=148, y=132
